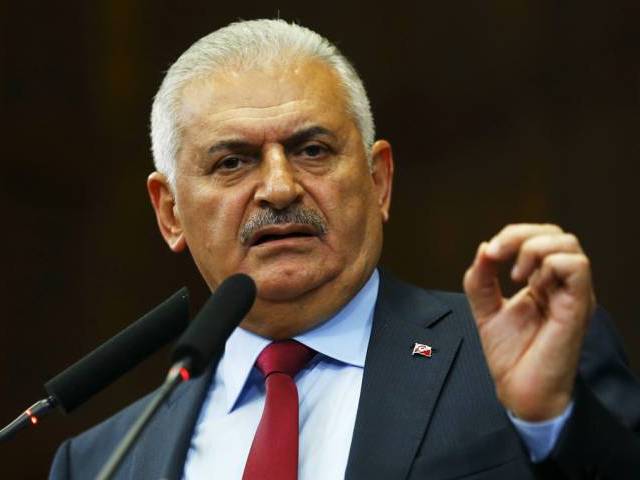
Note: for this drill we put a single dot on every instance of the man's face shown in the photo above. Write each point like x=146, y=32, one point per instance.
x=272, y=180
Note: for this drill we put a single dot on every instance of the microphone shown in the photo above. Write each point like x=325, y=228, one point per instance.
x=109, y=361
x=205, y=338
x=202, y=344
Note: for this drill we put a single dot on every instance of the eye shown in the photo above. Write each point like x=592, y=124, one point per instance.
x=314, y=150
x=229, y=163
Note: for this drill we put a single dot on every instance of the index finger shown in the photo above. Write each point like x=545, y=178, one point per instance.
x=508, y=241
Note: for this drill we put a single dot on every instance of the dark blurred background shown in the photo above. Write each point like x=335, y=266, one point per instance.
x=499, y=111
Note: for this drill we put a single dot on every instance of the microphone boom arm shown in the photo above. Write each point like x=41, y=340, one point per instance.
x=177, y=374
x=29, y=417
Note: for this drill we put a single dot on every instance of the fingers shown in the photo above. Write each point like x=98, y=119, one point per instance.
x=570, y=271
x=508, y=241
x=532, y=243
x=481, y=285
x=546, y=257
x=535, y=249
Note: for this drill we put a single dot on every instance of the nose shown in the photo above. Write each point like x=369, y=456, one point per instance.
x=278, y=187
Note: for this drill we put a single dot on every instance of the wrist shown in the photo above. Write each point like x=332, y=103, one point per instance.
x=540, y=409
x=540, y=438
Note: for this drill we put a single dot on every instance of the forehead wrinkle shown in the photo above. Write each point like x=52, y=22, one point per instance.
x=230, y=116
x=208, y=131
x=195, y=117
x=261, y=136
x=262, y=128
x=298, y=105
x=266, y=107
x=296, y=135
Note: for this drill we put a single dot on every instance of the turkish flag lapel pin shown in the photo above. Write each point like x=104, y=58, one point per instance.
x=422, y=350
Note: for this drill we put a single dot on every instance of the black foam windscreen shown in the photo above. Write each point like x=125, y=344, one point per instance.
x=203, y=341
x=121, y=353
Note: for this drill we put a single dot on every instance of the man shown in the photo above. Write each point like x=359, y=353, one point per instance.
x=266, y=164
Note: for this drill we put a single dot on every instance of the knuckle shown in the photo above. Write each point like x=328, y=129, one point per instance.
x=529, y=247
x=516, y=228
x=467, y=279
x=549, y=261
x=571, y=239
x=506, y=230
x=538, y=244
x=583, y=262
x=552, y=227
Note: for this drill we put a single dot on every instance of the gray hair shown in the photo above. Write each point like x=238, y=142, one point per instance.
x=247, y=43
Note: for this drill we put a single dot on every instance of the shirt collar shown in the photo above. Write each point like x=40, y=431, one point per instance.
x=344, y=337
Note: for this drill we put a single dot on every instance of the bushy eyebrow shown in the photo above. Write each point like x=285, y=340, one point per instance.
x=291, y=141
x=307, y=134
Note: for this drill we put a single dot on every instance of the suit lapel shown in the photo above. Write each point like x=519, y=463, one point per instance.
x=162, y=450
x=399, y=390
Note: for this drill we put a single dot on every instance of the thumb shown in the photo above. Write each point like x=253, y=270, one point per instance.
x=482, y=286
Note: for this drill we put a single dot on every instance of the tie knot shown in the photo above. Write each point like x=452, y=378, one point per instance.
x=287, y=356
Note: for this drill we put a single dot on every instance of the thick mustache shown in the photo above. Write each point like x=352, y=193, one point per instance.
x=295, y=214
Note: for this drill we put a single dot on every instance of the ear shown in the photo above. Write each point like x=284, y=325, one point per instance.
x=164, y=205
x=382, y=175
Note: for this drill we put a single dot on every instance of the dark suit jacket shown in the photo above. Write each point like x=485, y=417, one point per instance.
x=419, y=418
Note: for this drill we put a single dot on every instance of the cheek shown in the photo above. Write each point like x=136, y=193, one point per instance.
x=213, y=219
x=346, y=203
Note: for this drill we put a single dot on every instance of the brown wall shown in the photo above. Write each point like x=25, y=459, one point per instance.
x=499, y=111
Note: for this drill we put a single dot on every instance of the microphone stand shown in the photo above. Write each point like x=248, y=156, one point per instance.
x=177, y=374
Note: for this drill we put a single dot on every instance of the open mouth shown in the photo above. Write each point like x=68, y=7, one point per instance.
x=274, y=233
x=272, y=237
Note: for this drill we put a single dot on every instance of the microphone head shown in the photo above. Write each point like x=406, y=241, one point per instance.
x=121, y=353
x=203, y=341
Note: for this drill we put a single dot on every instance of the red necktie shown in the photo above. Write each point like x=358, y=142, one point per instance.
x=274, y=451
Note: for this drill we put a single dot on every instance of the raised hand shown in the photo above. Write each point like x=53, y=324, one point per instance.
x=532, y=340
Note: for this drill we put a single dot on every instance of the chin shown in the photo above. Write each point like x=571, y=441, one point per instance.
x=290, y=284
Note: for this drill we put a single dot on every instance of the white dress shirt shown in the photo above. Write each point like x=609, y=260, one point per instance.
x=328, y=389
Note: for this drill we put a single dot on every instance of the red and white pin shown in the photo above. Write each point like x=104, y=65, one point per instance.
x=422, y=350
